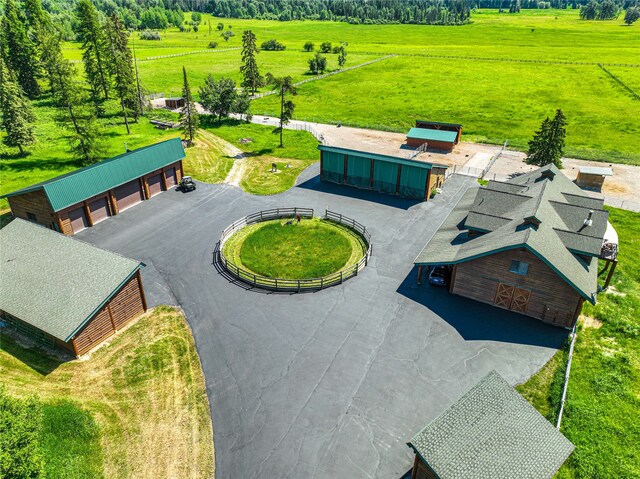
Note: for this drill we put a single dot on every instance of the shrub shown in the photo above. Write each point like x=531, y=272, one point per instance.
x=213, y=45
x=335, y=50
x=150, y=35
x=325, y=47
x=272, y=45
x=308, y=47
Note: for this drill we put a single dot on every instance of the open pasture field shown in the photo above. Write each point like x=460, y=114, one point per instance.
x=494, y=101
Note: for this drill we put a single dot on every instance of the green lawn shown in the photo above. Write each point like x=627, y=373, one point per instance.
x=136, y=408
x=493, y=101
x=603, y=397
x=310, y=249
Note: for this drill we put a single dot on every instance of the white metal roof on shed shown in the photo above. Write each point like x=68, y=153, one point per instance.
x=596, y=170
x=53, y=282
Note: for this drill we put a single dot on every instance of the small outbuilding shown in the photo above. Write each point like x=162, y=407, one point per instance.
x=491, y=432
x=388, y=174
x=530, y=245
x=174, y=103
x=434, y=135
x=77, y=200
x=592, y=177
x=64, y=292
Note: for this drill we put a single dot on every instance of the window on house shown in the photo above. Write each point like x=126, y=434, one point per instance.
x=519, y=267
x=32, y=217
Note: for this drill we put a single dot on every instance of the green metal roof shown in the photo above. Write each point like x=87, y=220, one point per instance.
x=376, y=156
x=78, y=185
x=434, y=135
x=54, y=282
x=491, y=433
x=500, y=209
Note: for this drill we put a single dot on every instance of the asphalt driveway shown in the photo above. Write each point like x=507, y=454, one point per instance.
x=329, y=384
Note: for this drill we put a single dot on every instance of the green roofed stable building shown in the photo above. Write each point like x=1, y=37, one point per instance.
x=489, y=433
x=434, y=135
x=388, y=174
x=530, y=245
x=64, y=292
x=84, y=197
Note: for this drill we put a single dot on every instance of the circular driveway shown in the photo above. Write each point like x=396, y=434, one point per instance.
x=329, y=384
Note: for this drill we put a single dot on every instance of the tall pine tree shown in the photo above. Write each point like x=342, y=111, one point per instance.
x=121, y=68
x=17, y=113
x=85, y=141
x=188, y=115
x=547, y=144
x=18, y=50
x=283, y=87
x=90, y=34
x=251, y=78
x=44, y=34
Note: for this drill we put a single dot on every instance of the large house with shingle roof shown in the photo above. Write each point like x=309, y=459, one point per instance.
x=491, y=432
x=530, y=245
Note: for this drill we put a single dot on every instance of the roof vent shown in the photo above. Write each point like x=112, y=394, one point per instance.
x=531, y=221
x=588, y=221
x=548, y=174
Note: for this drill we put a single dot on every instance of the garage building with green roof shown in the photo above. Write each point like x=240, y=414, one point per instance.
x=77, y=200
x=63, y=292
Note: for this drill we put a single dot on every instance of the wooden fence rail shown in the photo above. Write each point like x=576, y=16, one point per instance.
x=284, y=284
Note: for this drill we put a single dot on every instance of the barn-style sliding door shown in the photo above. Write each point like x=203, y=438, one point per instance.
x=511, y=297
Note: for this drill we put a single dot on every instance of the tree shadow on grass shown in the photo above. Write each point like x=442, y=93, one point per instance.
x=32, y=163
x=40, y=359
x=476, y=321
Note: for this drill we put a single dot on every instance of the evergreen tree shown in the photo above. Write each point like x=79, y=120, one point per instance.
x=18, y=50
x=547, y=144
x=46, y=38
x=188, y=115
x=284, y=87
x=17, y=113
x=249, y=69
x=70, y=96
x=121, y=67
x=90, y=33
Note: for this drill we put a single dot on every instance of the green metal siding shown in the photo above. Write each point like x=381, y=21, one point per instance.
x=385, y=176
x=72, y=188
x=332, y=167
x=412, y=182
x=358, y=171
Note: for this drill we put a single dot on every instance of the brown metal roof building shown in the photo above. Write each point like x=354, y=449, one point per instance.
x=75, y=298
x=84, y=197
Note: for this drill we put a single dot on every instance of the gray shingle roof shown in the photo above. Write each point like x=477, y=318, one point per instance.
x=54, y=282
x=500, y=210
x=492, y=433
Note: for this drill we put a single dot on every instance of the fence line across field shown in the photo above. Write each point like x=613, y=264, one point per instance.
x=292, y=285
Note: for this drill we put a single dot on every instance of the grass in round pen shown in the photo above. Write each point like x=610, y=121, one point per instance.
x=287, y=249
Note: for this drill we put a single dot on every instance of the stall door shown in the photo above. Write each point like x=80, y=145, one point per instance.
x=99, y=210
x=128, y=195
x=155, y=184
x=170, y=174
x=78, y=219
x=513, y=298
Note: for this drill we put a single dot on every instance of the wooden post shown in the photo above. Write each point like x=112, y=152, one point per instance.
x=346, y=168
x=87, y=212
x=414, y=472
x=142, y=295
x=114, y=203
x=613, y=268
x=453, y=278
x=371, y=176
x=398, y=181
x=420, y=268
x=113, y=324
x=427, y=190
x=59, y=221
x=145, y=188
x=163, y=177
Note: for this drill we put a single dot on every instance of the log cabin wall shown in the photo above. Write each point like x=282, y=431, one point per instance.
x=550, y=298
x=65, y=221
x=126, y=305
x=421, y=471
x=34, y=203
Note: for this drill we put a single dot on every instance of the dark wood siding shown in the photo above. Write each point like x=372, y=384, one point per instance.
x=541, y=293
x=126, y=305
x=421, y=471
x=431, y=145
x=36, y=203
